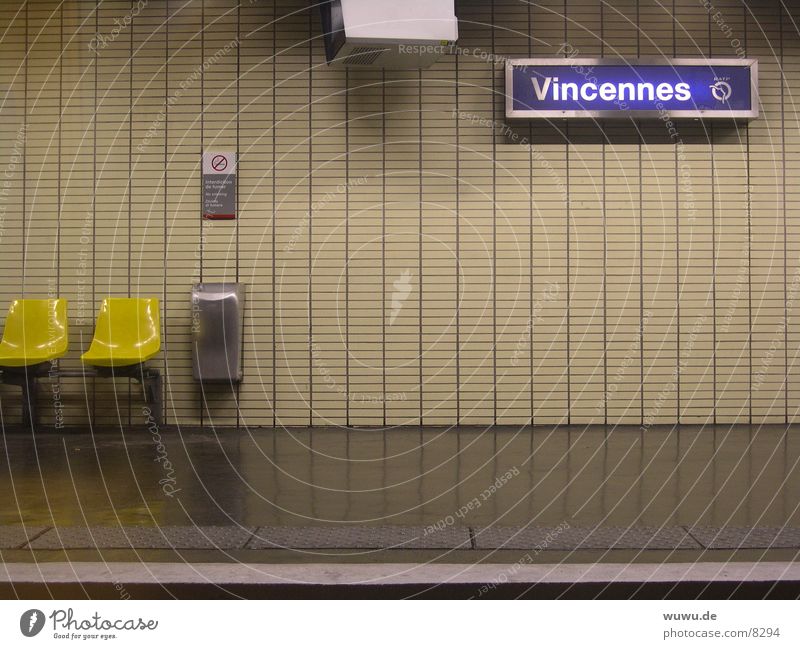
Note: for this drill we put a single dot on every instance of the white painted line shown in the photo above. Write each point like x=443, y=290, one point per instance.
x=392, y=573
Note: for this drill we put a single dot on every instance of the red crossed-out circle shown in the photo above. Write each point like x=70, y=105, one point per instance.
x=219, y=163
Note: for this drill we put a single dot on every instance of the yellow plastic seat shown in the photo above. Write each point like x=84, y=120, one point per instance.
x=35, y=332
x=128, y=332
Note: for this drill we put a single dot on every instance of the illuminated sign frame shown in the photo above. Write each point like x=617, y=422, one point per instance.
x=638, y=72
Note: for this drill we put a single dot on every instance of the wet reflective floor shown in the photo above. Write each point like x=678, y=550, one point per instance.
x=722, y=476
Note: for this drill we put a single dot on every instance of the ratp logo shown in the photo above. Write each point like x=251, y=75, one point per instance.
x=721, y=90
x=31, y=622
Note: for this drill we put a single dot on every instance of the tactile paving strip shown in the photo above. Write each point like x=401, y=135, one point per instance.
x=520, y=538
x=397, y=537
x=583, y=538
x=757, y=538
x=15, y=536
x=374, y=537
x=636, y=538
x=145, y=538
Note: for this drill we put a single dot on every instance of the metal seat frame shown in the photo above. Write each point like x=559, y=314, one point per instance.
x=27, y=378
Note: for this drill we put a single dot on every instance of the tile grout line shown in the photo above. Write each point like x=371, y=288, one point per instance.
x=202, y=402
x=310, y=196
x=494, y=230
x=165, y=387
x=60, y=189
x=785, y=229
x=677, y=252
x=383, y=244
x=130, y=168
x=713, y=254
x=568, y=244
x=25, y=142
x=420, y=249
x=640, y=144
x=130, y=389
x=242, y=355
x=274, y=217
x=530, y=235
x=749, y=217
x=605, y=238
x=458, y=247
x=347, y=412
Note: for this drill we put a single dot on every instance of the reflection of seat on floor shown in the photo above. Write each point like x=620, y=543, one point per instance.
x=35, y=335
x=127, y=334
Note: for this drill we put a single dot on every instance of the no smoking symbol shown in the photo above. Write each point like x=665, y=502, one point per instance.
x=219, y=163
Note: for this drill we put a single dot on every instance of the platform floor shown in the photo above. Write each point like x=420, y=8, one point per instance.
x=720, y=487
x=723, y=476
x=713, y=487
x=559, y=496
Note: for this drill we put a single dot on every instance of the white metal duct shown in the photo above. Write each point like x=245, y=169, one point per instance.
x=393, y=34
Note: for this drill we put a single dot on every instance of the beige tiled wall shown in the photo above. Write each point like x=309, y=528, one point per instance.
x=446, y=267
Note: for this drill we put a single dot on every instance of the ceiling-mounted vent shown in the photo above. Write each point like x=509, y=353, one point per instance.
x=404, y=34
x=364, y=55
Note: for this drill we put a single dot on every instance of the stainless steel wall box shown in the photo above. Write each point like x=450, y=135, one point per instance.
x=217, y=331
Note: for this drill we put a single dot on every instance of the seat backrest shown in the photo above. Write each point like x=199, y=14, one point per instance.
x=37, y=325
x=129, y=323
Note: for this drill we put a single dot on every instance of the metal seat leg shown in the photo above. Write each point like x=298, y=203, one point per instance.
x=152, y=391
x=30, y=410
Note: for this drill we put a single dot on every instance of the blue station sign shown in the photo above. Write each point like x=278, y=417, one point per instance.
x=611, y=88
